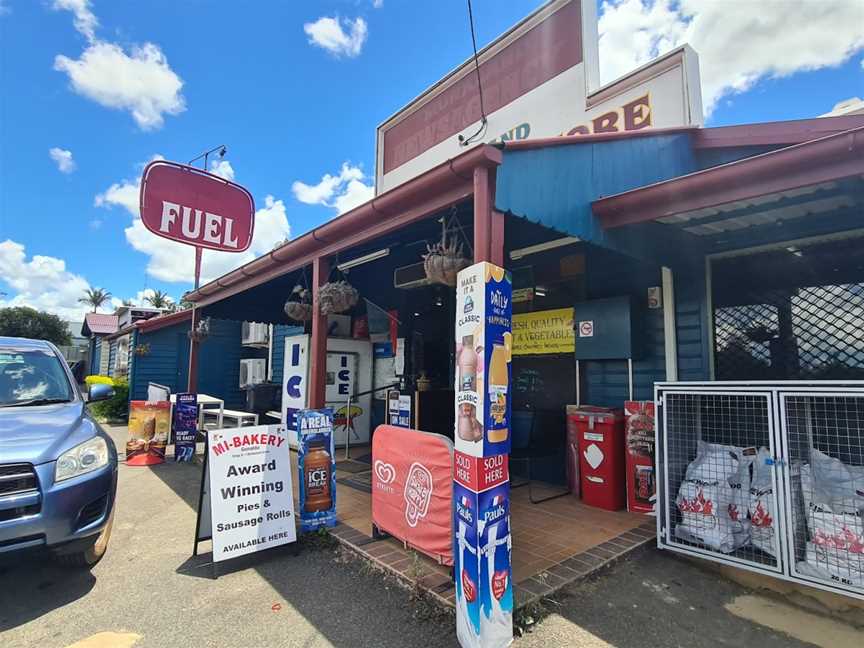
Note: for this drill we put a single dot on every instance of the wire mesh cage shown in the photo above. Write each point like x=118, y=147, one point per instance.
x=824, y=436
x=768, y=476
x=720, y=482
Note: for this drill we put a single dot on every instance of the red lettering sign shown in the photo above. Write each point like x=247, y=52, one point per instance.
x=188, y=205
x=480, y=473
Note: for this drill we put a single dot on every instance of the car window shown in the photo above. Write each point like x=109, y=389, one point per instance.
x=32, y=374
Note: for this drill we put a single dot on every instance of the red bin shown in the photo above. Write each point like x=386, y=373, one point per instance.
x=601, y=456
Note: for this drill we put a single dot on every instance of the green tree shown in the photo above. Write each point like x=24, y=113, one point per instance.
x=22, y=321
x=159, y=299
x=95, y=297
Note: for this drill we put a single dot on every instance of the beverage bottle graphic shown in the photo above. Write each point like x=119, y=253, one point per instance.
x=496, y=602
x=497, y=379
x=316, y=478
x=468, y=365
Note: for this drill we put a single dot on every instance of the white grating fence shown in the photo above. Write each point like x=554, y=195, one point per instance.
x=765, y=476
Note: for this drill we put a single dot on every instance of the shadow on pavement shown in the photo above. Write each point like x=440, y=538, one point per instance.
x=347, y=602
x=33, y=585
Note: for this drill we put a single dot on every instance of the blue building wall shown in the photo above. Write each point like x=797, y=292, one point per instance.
x=95, y=350
x=167, y=362
x=112, y=356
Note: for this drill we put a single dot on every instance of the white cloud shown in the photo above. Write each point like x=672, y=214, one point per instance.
x=63, y=158
x=342, y=192
x=339, y=36
x=84, y=20
x=42, y=282
x=141, y=82
x=377, y=4
x=223, y=169
x=739, y=43
x=175, y=262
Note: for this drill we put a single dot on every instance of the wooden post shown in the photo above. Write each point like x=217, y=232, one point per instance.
x=483, y=182
x=318, y=352
x=496, y=242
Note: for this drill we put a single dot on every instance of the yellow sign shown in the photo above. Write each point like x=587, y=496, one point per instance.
x=543, y=332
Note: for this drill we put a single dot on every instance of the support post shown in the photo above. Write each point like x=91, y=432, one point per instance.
x=484, y=181
x=192, y=378
x=318, y=355
x=497, y=240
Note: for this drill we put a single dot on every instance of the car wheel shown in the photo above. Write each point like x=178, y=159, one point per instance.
x=92, y=554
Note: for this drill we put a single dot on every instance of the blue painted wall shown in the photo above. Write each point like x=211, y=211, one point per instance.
x=95, y=349
x=112, y=356
x=167, y=361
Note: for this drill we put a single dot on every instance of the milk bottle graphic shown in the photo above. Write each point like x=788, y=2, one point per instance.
x=496, y=600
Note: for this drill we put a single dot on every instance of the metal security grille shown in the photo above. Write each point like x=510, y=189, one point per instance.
x=794, y=313
x=814, y=332
x=825, y=440
x=712, y=441
x=768, y=476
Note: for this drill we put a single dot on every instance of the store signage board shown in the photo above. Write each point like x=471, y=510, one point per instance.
x=184, y=427
x=481, y=479
x=540, y=79
x=544, y=332
x=191, y=206
x=398, y=409
x=295, y=383
x=250, y=490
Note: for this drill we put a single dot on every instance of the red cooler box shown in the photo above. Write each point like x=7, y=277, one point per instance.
x=641, y=475
x=601, y=455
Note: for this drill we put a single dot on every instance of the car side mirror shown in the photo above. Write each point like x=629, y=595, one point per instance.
x=99, y=392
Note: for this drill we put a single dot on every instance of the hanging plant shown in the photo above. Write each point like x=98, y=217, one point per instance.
x=200, y=332
x=299, y=304
x=337, y=297
x=443, y=260
x=142, y=349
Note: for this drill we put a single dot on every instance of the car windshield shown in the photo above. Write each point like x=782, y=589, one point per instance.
x=32, y=376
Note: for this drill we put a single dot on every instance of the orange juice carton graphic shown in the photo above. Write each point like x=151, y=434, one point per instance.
x=483, y=360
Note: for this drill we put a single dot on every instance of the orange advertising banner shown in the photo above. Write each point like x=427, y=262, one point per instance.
x=149, y=424
x=412, y=489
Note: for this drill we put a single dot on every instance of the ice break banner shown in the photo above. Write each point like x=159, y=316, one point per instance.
x=481, y=486
x=316, y=456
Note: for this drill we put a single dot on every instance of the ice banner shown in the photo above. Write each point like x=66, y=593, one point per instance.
x=316, y=456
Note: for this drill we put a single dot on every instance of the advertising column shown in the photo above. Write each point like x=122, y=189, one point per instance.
x=185, y=426
x=317, y=459
x=481, y=488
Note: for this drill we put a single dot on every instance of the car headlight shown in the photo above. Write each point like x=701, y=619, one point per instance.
x=82, y=459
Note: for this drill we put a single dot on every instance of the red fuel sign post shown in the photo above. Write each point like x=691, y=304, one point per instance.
x=193, y=207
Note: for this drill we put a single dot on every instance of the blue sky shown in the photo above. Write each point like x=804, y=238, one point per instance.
x=292, y=110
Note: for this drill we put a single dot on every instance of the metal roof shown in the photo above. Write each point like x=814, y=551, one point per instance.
x=99, y=324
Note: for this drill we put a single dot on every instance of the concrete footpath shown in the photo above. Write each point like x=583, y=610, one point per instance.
x=149, y=592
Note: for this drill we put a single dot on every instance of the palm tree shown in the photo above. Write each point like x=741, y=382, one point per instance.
x=95, y=297
x=159, y=299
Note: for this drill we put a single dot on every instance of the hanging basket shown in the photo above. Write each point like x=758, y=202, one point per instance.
x=337, y=297
x=299, y=305
x=443, y=261
x=200, y=333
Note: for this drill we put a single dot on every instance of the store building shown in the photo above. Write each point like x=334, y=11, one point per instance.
x=725, y=253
